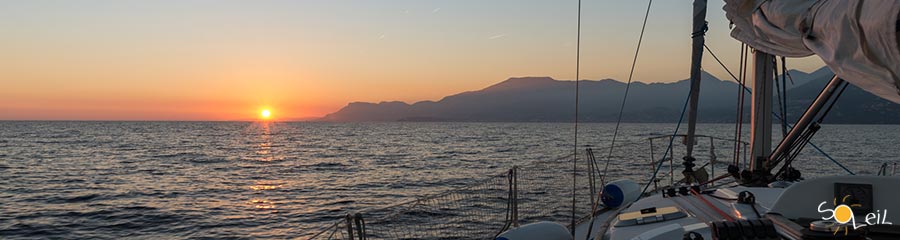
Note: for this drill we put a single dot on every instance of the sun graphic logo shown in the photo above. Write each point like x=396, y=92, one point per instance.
x=842, y=214
x=844, y=217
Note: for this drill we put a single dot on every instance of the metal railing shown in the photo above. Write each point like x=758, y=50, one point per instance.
x=887, y=169
x=538, y=191
x=711, y=152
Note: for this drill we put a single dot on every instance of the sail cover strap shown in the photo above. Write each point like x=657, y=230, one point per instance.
x=857, y=39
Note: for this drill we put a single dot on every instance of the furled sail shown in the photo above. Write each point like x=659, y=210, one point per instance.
x=857, y=39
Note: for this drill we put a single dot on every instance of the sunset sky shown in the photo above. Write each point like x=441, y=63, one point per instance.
x=228, y=60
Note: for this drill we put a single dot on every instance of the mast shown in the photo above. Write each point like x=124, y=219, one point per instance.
x=761, y=110
x=698, y=41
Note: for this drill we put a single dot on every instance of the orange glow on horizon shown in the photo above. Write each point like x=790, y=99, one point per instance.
x=303, y=60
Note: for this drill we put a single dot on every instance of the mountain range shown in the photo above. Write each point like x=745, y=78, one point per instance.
x=544, y=99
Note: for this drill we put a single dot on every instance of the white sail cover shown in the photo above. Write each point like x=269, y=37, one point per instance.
x=857, y=39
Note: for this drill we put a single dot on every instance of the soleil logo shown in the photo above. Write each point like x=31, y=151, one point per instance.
x=843, y=214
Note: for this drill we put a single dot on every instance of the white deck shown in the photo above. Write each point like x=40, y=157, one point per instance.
x=800, y=200
x=699, y=214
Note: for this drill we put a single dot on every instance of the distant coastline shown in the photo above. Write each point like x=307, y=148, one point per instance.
x=544, y=99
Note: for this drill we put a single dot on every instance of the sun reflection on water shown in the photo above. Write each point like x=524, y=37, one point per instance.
x=264, y=187
x=264, y=149
x=261, y=186
x=262, y=204
x=262, y=153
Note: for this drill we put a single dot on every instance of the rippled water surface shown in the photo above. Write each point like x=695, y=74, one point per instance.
x=100, y=180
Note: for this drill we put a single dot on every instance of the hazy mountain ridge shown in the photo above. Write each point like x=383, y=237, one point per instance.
x=544, y=99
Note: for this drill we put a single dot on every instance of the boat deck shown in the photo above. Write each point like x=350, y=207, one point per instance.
x=787, y=212
x=698, y=211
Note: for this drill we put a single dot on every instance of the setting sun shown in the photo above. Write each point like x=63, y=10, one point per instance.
x=265, y=114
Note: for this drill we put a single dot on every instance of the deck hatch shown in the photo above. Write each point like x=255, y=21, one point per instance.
x=649, y=215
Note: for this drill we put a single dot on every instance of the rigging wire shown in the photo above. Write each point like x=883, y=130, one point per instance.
x=808, y=134
x=778, y=116
x=781, y=91
x=612, y=145
x=778, y=96
x=625, y=97
x=734, y=153
x=743, y=100
x=739, y=116
x=784, y=88
x=577, y=79
x=740, y=113
x=668, y=149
